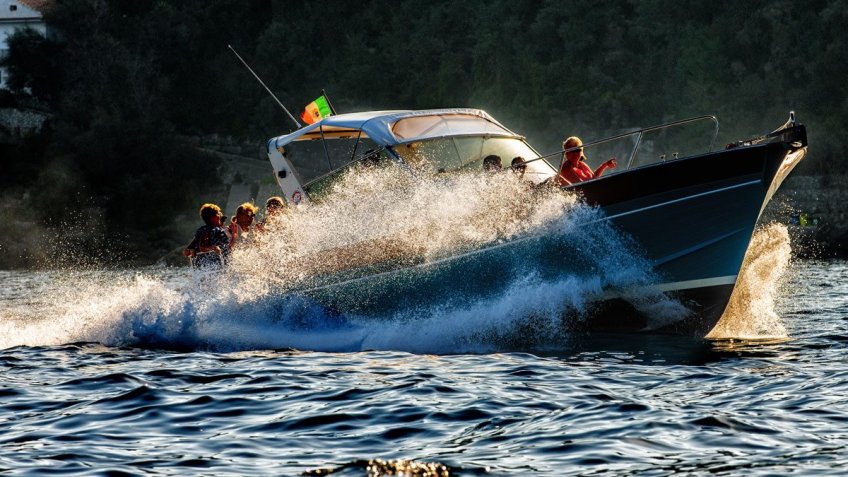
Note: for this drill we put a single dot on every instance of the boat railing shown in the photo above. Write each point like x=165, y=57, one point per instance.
x=638, y=137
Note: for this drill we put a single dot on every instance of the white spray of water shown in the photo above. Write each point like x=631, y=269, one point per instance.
x=751, y=314
x=373, y=218
x=380, y=216
x=89, y=309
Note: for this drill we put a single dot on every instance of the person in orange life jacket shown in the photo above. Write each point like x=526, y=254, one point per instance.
x=211, y=244
x=574, y=168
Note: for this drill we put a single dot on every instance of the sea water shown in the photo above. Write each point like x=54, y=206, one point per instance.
x=161, y=371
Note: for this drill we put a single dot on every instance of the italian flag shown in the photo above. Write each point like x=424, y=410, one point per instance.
x=316, y=110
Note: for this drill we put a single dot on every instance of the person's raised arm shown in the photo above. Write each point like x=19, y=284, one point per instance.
x=610, y=164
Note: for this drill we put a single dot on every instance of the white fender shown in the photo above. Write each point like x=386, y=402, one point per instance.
x=286, y=176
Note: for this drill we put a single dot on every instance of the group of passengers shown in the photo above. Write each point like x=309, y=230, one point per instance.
x=492, y=163
x=572, y=170
x=214, y=240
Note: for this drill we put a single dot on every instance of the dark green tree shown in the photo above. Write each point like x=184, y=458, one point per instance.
x=33, y=65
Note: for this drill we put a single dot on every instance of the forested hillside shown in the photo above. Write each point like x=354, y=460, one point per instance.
x=127, y=82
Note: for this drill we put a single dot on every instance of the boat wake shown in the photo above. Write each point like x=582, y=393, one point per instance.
x=751, y=313
x=266, y=298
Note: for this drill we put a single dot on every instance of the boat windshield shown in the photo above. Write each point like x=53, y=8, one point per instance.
x=314, y=158
x=373, y=159
x=453, y=154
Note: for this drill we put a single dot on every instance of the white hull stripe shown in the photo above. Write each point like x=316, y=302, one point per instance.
x=702, y=283
x=668, y=287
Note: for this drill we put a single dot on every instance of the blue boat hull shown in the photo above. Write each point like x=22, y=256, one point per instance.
x=691, y=220
x=694, y=219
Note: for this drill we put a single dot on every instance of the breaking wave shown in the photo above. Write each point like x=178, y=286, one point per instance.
x=469, y=263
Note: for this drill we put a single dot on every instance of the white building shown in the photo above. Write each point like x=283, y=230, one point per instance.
x=15, y=14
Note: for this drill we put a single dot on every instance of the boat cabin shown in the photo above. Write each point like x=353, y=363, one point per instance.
x=443, y=141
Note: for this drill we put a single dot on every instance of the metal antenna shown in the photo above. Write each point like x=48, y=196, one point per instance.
x=263, y=84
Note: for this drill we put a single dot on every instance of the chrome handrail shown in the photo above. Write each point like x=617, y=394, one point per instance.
x=668, y=125
x=641, y=133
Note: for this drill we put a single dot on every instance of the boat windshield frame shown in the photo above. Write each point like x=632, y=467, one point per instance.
x=534, y=164
x=384, y=130
x=536, y=171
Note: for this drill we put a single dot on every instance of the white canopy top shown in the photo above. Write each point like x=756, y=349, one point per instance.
x=397, y=127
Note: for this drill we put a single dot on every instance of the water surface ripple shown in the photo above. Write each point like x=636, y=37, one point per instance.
x=599, y=405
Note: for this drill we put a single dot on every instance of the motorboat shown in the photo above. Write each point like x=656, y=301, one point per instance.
x=689, y=210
